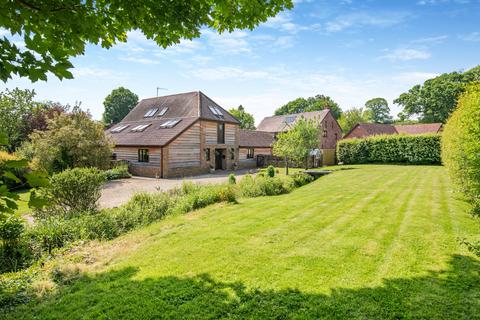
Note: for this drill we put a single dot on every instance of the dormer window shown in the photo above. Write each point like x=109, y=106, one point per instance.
x=140, y=128
x=162, y=112
x=150, y=113
x=216, y=111
x=169, y=124
x=119, y=128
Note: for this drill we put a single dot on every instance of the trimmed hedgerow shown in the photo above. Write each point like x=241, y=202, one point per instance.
x=118, y=172
x=409, y=149
x=461, y=146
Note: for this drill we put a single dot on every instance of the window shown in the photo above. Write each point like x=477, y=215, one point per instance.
x=290, y=119
x=207, y=154
x=221, y=133
x=114, y=156
x=336, y=136
x=150, y=113
x=143, y=155
x=232, y=154
x=169, y=124
x=325, y=132
x=120, y=128
x=216, y=111
x=140, y=127
x=250, y=153
x=162, y=112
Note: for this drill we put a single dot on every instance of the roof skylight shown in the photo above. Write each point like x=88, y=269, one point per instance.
x=150, y=113
x=169, y=124
x=290, y=119
x=216, y=111
x=141, y=127
x=119, y=128
x=162, y=112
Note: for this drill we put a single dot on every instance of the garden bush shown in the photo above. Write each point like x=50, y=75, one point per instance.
x=461, y=146
x=409, y=149
x=14, y=252
x=300, y=179
x=270, y=171
x=232, y=179
x=73, y=192
x=118, y=172
x=261, y=185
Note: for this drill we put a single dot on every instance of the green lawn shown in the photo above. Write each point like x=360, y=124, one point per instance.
x=23, y=208
x=370, y=242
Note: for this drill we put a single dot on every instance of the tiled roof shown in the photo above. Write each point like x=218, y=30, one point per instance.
x=280, y=123
x=419, y=128
x=255, y=139
x=189, y=107
x=373, y=129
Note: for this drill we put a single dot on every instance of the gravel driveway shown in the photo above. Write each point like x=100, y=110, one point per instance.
x=118, y=192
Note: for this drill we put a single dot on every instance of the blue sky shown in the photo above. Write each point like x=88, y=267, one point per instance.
x=350, y=50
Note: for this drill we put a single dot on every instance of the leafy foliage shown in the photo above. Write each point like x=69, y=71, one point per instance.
x=352, y=117
x=73, y=192
x=436, y=98
x=378, y=111
x=316, y=103
x=414, y=149
x=232, y=179
x=118, y=172
x=246, y=119
x=270, y=171
x=297, y=143
x=118, y=104
x=461, y=145
x=46, y=27
x=72, y=140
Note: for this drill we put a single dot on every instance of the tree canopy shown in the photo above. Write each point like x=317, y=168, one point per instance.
x=378, y=111
x=351, y=117
x=436, y=98
x=296, y=143
x=118, y=104
x=55, y=31
x=72, y=140
x=316, y=103
x=246, y=119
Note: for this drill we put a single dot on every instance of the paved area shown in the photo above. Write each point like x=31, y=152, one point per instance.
x=118, y=192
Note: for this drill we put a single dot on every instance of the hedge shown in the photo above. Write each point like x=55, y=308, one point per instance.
x=409, y=149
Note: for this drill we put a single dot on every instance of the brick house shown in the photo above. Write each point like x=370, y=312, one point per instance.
x=362, y=130
x=177, y=135
x=331, y=131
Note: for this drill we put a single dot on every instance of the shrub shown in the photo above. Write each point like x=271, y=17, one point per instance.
x=53, y=232
x=301, y=179
x=461, y=146
x=14, y=253
x=251, y=187
x=232, y=179
x=118, y=172
x=74, y=191
x=414, y=149
x=270, y=171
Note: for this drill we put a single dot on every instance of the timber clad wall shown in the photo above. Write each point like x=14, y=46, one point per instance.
x=245, y=163
x=184, y=151
x=130, y=154
x=210, y=132
x=231, y=134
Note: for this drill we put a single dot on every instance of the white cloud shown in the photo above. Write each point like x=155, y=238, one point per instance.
x=96, y=73
x=406, y=54
x=471, y=37
x=431, y=40
x=284, y=22
x=139, y=60
x=365, y=19
x=224, y=73
x=231, y=43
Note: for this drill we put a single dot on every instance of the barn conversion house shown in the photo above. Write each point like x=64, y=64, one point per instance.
x=177, y=135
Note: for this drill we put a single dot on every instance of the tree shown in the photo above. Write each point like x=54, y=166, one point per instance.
x=54, y=31
x=378, y=110
x=316, y=103
x=118, y=104
x=72, y=140
x=351, y=117
x=14, y=106
x=297, y=143
x=246, y=119
x=436, y=98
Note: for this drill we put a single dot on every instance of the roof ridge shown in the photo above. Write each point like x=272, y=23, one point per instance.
x=169, y=95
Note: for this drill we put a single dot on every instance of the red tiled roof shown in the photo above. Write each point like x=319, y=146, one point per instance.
x=279, y=123
x=255, y=139
x=419, y=128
